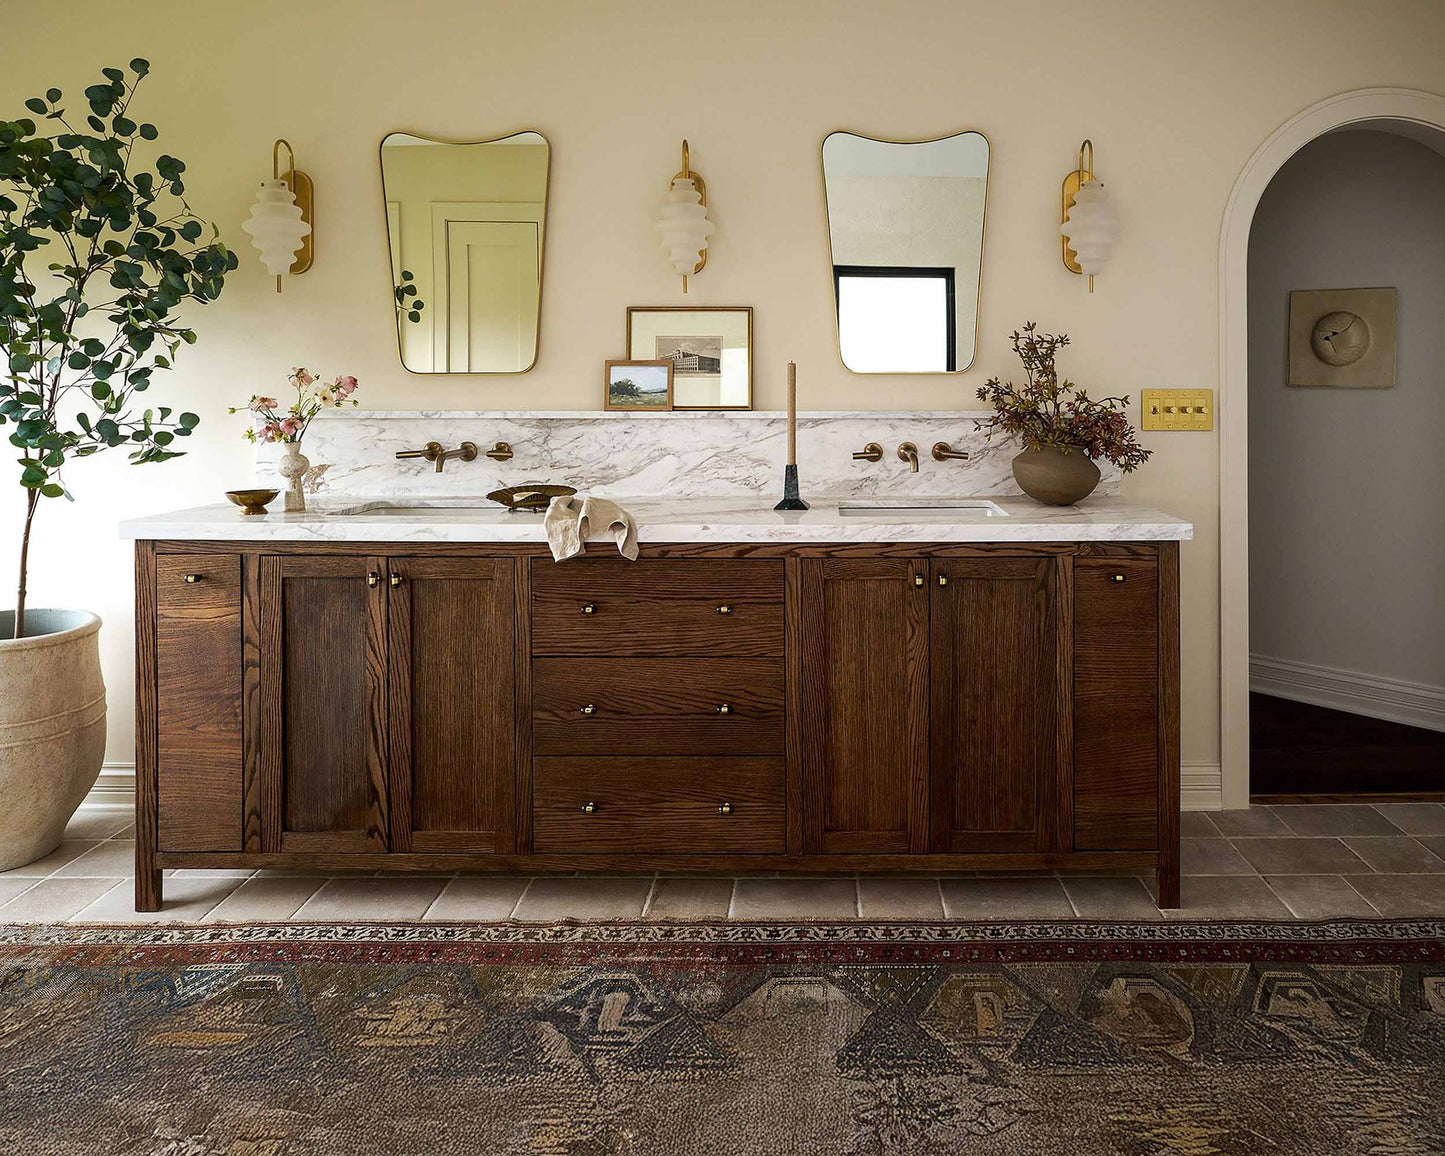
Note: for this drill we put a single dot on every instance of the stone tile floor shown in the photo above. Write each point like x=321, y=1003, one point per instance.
x=1280, y=862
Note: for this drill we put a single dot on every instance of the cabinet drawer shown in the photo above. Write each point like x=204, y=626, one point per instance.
x=658, y=805
x=1116, y=703
x=657, y=706
x=201, y=582
x=657, y=607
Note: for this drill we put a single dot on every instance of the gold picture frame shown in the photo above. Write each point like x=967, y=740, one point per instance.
x=698, y=335
x=614, y=400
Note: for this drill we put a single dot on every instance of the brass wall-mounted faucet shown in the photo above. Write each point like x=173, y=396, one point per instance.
x=942, y=452
x=908, y=452
x=433, y=452
x=872, y=452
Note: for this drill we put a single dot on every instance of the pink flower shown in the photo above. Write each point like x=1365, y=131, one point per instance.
x=302, y=376
x=260, y=403
x=290, y=425
x=345, y=386
x=270, y=432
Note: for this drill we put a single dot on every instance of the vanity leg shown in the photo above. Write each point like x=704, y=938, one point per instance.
x=1166, y=880
x=147, y=879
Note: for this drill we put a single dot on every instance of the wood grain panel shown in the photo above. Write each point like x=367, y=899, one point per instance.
x=657, y=706
x=657, y=608
x=994, y=661
x=1116, y=703
x=199, y=746
x=323, y=702
x=452, y=708
x=252, y=788
x=1167, y=871
x=865, y=705
x=522, y=699
x=147, y=872
x=662, y=805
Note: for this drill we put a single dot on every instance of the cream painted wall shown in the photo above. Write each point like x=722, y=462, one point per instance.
x=1175, y=96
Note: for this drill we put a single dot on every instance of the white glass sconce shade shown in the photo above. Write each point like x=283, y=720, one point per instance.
x=684, y=227
x=1092, y=227
x=276, y=226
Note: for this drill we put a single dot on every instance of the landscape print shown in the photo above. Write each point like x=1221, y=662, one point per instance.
x=639, y=384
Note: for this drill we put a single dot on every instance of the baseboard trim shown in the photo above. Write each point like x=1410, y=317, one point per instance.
x=1201, y=787
x=115, y=787
x=1415, y=704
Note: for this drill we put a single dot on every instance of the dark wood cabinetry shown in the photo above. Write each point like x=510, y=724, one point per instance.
x=713, y=708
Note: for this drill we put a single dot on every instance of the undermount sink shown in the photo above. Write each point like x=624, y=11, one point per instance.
x=403, y=508
x=952, y=508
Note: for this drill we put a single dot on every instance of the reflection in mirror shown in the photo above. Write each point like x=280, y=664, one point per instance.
x=465, y=224
x=905, y=224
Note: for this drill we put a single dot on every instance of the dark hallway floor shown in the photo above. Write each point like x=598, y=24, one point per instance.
x=1298, y=749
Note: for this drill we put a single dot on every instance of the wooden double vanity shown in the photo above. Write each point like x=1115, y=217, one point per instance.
x=795, y=706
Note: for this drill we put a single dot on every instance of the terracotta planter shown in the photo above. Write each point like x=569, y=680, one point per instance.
x=1054, y=477
x=52, y=727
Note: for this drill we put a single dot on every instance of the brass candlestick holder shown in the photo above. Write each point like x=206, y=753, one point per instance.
x=791, y=500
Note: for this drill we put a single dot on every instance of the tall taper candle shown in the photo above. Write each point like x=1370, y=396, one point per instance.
x=792, y=414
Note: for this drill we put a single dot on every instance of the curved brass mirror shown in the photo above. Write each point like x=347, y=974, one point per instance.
x=905, y=229
x=464, y=224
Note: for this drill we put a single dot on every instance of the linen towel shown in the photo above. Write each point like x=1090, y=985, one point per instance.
x=570, y=521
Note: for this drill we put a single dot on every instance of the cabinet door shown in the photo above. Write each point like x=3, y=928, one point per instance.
x=865, y=705
x=1116, y=703
x=452, y=709
x=995, y=657
x=323, y=709
x=199, y=676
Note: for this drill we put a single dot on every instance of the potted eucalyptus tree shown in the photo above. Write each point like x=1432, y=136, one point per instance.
x=97, y=254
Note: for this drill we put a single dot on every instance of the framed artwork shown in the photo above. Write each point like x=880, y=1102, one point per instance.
x=710, y=349
x=1343, y=338
x=641, y=385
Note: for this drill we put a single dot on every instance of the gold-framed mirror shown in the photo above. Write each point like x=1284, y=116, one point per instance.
x=465, y=225
x=905, y=237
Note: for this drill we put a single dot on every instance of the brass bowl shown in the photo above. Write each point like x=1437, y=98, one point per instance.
x=252, y=501
x=534, y=496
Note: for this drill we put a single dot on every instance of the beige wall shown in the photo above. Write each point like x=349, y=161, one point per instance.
x=1344, y=569
x=1175, y=96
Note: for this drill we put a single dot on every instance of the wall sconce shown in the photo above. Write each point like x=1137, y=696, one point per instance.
x=683, y=224
x=280, y=221
x=1090, y=225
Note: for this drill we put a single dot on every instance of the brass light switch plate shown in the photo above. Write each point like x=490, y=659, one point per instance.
x=1191, y=409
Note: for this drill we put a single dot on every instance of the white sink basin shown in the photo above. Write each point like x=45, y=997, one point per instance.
x=412, y=508
x=952, y=509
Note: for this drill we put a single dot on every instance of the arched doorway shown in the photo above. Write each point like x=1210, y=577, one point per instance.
x=1420, y=115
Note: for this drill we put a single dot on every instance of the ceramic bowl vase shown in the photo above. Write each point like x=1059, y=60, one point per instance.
x=52, y=727
x=1055, y=478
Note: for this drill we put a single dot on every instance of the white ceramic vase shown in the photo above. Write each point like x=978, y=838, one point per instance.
x=293, y=467
x=52, y=727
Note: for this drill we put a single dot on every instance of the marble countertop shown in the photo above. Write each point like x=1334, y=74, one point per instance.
x=474, y=519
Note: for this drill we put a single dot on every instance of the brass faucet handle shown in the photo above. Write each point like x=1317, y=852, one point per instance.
x=908, y=452
x=431, y=451
x=872, y=452
x=943, y=452
x=501, y=452
x=467, y=451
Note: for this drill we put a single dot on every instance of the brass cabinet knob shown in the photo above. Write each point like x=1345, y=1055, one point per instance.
x=373, y=579
x=588, y=709
x=724, y=808
x=918, y=580
x=724, y=708
x=192, y=579
x=589, y=608
x=943, y=579
x=724, y=609
x=588, y=808
x=395, y=579
x=1118, y=578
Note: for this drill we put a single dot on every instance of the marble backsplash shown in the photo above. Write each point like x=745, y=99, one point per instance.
x=693, y=454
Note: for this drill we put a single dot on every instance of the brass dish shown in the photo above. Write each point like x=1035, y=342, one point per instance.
x=534, y=496
x=252, y=501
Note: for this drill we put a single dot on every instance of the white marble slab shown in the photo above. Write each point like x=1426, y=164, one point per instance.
x=1101, y=518
x=705, y=454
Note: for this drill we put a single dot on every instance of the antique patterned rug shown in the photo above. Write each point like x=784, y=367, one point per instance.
x=633, y=1039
